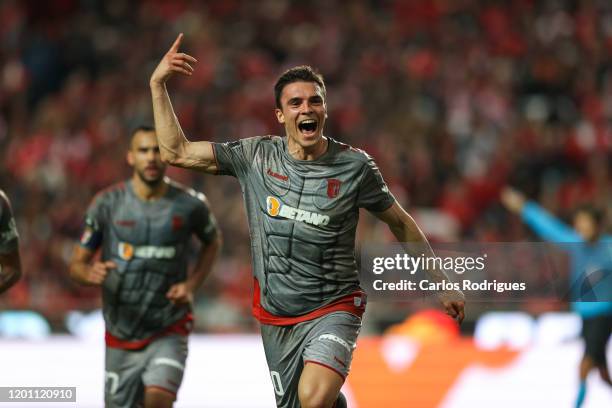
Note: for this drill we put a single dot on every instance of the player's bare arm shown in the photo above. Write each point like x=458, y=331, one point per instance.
x=405, y=230
x=174, y=147
x=182, y=292
x=10, y=270
x=83, y=271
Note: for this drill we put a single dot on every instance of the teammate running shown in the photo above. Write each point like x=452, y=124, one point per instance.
x=144, y=227
x=10, y=263
x=590, y=252
x=302, y=193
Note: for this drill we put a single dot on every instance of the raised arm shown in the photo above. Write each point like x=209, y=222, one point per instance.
x=405, y=229
x=538, y=219
x=174, y=147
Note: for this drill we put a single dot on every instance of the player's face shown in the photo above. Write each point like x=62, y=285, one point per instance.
x=585, y=225
x=303, y=112
x=145, y=158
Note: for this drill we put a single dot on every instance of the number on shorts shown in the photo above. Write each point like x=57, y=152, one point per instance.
x=276, y=382
x=113, y=380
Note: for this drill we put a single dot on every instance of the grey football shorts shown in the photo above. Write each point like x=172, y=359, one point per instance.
x=127, y=372
x=328, y=340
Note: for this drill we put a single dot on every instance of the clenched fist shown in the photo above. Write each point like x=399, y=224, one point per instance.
x=97, y=272
x=454, y=304
x=180, y=293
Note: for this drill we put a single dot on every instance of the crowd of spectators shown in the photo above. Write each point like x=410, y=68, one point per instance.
x=453, y=98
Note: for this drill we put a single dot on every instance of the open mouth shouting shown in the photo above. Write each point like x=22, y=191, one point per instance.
x=308, y=127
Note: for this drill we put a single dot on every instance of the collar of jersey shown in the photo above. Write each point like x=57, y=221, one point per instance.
x=330, y=145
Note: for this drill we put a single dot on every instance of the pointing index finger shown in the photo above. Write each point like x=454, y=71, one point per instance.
x=177, y=43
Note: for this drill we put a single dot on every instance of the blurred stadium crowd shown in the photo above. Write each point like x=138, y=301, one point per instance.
x=454, y=99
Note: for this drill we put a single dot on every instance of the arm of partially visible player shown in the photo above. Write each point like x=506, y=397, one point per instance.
x=10, y=263
x=83, y=271
x=537, y=218
x=10, y=269
x=174, y=147
x=182, y=292
x=405, y=229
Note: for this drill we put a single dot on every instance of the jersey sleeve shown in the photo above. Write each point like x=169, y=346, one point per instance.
x=95, y=219
x=9, y=238
x=374, y=195
x=547, y=226
x=205, y=224
x=235, y=158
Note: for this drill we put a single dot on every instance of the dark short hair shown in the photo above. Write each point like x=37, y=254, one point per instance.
x=141, y=128
x=302, y=73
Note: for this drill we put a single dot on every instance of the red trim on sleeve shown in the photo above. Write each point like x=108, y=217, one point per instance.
x=348, y=303
x=326, y=366
x=182, y=327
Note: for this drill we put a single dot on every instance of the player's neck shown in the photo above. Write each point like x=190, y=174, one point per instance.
x=310, y=153
x=148, y=192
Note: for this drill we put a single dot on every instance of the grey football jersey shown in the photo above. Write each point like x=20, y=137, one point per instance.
x=149, y=243
x=8, y=230
x=302, y=218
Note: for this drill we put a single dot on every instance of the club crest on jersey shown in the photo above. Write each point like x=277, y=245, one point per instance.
x=177, y=223
x=333, y=188
x=276, y=208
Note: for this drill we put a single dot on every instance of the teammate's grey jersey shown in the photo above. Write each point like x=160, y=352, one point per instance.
x=302, y=218
x=8, y=230
x=149, y=243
